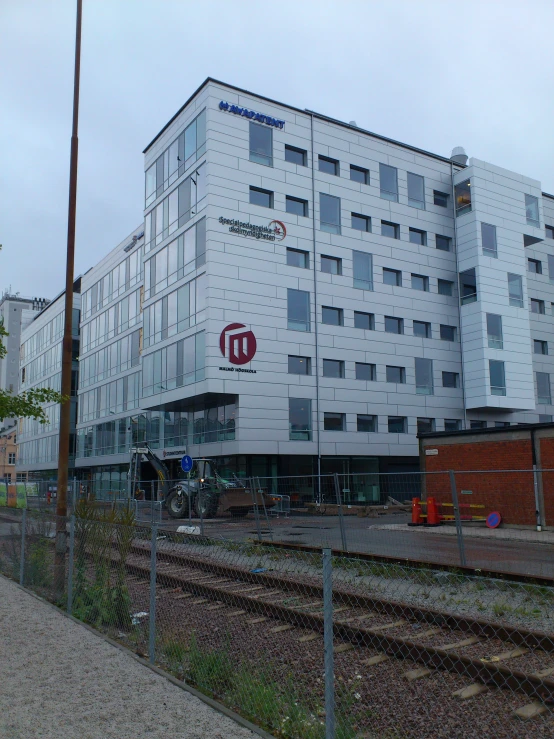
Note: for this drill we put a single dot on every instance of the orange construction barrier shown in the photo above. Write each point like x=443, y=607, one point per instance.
x=433, y=518
x=417, y=514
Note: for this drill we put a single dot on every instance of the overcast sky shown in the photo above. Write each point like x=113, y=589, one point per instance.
x=432, y=73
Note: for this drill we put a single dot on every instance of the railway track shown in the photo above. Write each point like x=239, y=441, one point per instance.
x=487, y=653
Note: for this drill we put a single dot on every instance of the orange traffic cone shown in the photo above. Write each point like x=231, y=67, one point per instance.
x=417, y=518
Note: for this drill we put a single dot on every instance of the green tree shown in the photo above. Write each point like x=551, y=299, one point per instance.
x=27, y=404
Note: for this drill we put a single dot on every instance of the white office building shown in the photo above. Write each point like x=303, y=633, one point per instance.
x=307, y=295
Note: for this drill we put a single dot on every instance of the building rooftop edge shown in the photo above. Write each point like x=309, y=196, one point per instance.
x=489, y=430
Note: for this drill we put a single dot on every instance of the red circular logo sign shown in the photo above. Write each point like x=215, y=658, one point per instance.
x=237, y=345
x=280, y=229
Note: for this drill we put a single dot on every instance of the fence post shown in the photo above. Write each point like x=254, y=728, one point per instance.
x=328, y=645
x=152, y=619
x=537, y=498
x=457, y=519
x=71, y=562
x=256, y=511
x=22, y=557
x=74, y=496
x=341, y=517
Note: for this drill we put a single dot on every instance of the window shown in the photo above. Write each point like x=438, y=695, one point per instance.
x=299, y=365
x=543, y=388
x=261, y=144
x=300, y=419
x=452, y=424
x=424, y=376
x=361, y=223
x=549, y=232
x=298, y=258
x=416, y=190
x=443, y=242
x=462, y=196
x=334, y=422
x=422, y=329
x=332, y=316
x=425, y=425
x=331, y=265
x=532, y=210
x=296, y=156
x=468, y=286
x=447, y=333
x=364, y=320
x=540, y=347
x=397, y=424
x=390, y=229
x=534, y=266
x=515, y=290
x=261, y=197
x=501, y=424
x=497, y=377
x=366, y=423
x=329, y=213
x=488, y=240
x=298, y=310
x=545, y=418
x=328, y=165
x=366, y=371
x=441, y=198
x=445, y=287
x=362, y=268
x=450, y=379
x=537, y=306
x=394, y=325
x=11, y=457
x=359, y=174
x=392, y=277
x=420, y=282
x=494, y=331
x=418, y=237
x=477, y=424
x=388, y=182
x=396, y=374
x=551, y=268
x=333, y=368
x=297, y=206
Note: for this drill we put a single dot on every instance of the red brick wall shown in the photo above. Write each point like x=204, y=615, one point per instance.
x=509, y=493
x=547, y=462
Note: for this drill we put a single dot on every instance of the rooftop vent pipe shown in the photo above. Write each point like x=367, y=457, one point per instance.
x=459, y=155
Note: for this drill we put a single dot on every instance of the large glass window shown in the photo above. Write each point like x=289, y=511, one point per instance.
x=424, y=376
x=329, y=213
x=298, y=310
x=296, y=156
x=515, y=290
x=416, y=190
x=334, y=422
x=261, y=144
x=488, y=239
x=388, y=182
x=532, y=210
x=494, y=331
x=328, y=165
x=544, y=396
x=497, y=377
x=468, y=286
x=299, y=365
x=261, y=197
x=362, y=268
x=462, y=196
x=300, y=419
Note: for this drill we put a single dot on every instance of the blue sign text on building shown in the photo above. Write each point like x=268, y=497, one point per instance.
x=237, y=110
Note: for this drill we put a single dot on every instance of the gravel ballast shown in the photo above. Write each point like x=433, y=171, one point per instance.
x=58, y=679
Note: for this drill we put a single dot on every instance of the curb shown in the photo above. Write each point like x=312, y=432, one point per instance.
x=219, y=707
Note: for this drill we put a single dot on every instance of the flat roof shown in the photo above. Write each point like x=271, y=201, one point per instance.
x=488, y=430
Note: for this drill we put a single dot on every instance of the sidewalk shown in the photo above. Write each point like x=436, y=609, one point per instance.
x=59, y=680
x=502, y=534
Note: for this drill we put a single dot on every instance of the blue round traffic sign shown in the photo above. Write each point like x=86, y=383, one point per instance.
x=494, y=520
x=186, y=463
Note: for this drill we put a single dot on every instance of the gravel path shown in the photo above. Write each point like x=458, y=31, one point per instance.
x=85, y=688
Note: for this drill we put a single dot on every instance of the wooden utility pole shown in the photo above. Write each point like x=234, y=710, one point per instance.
x=65, y=408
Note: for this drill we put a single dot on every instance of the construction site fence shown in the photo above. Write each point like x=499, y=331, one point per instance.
x=307, y=645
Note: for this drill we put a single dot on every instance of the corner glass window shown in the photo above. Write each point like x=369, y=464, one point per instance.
x=494, y=331
x=329, y=213
x=424, y=376
x=296, y=206
x=298, y=310
x=366, y=423
x=296, y=156
x=299, y=365
x=388, y=182
x=488, y=239
x=359, y=174
x=361, y=223
x=532, y=210
x=362, y=268
x=544, y=396
x=397, y=424
x=261, y=197
x=261, y=144
x=462, y=196
x=515, y=290
x=468, y=286
x=497, y=377
x=298, y=258
x=328, y=165
x=331, y=265
x=300, y=419
x=334, y=422
x=416, y=191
